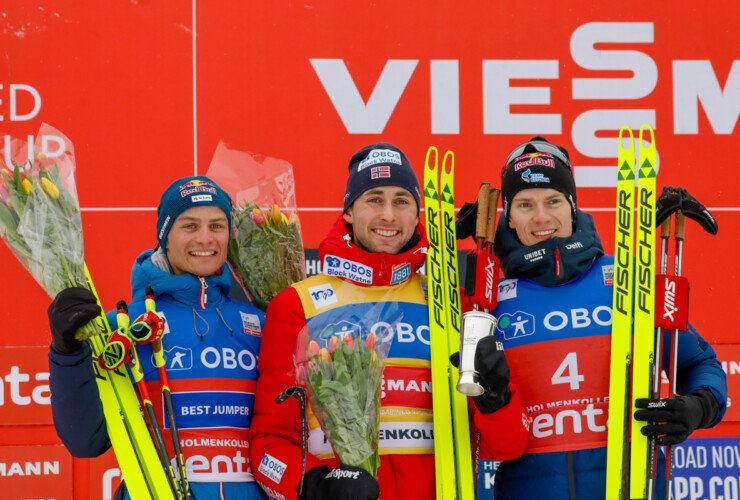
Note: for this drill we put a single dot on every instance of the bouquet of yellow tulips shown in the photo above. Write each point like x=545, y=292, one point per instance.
x=342, y=365
x=41, y=224
x=267, y=251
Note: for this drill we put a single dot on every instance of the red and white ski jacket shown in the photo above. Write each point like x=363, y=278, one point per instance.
x=352, y=277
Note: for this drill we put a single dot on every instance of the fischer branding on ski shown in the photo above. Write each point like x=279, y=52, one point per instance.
x=644, y=337
x=124, y=420
x=621, y=339
x=461, y=423
x=444, y=465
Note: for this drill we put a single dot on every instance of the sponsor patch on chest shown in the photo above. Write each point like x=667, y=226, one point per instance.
x=251, y=324
x=322, y=295
x=348, y=269
x=608, y=272
x=400, y=273
x=507, y=289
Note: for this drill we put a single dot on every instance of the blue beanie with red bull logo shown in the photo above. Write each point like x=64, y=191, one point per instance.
x=186, y=193
x=377, y=165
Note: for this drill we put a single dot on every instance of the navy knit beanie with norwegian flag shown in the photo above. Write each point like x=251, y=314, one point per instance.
x=376, y=165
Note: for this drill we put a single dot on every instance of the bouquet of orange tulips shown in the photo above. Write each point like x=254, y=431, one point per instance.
x=267, y=251
x=342, y=365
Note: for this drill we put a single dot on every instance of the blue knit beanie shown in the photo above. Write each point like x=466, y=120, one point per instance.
x=185, y=193
x=376, y=165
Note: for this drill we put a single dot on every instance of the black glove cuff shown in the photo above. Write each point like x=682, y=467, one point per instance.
x=709, y=407
x=68, y=345
x=491, y=402
x=311, y=481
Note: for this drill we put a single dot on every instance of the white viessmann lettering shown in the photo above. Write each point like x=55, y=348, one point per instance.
x=16, y=380
x=9, y=469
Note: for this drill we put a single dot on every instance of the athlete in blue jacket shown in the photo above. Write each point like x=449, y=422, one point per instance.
x=211, y=343
x=554, y=320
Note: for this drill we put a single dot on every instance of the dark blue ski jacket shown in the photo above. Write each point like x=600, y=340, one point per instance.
x=212, y=345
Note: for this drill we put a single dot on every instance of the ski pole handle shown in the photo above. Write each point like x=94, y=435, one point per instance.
x=680, y=230
x=665, y=229
x=493, y=196
x=482, y=215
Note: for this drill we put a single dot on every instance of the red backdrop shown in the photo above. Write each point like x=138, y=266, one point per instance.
x=145, y=90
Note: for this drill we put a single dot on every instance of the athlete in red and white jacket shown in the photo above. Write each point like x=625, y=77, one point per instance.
x=370, y=256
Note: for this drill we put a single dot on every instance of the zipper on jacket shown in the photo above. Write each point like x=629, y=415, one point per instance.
x=203, y=290
x=382, y=266
x=557, y=262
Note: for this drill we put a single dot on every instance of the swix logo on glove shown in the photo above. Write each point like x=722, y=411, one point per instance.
x=656, y=404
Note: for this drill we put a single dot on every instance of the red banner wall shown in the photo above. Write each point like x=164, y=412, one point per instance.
x=146, y=91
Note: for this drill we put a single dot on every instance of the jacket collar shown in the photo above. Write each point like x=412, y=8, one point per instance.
x=186, y=290
x=342, y=258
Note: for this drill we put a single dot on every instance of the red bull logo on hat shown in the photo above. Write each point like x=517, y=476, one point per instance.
x=196, y=186
x=530, y=159
x=193, y=183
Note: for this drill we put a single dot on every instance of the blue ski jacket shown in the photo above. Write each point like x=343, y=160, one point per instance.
x=212, y=344
x=554, y=320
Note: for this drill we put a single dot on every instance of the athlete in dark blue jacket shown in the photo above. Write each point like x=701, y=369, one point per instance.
x=211, y=343
x=554, y=320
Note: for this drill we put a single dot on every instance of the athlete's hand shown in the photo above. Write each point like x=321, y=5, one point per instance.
x=71, y=309
x=672, y=419
x=343, y=483
x=493, y=374
x=465, y=223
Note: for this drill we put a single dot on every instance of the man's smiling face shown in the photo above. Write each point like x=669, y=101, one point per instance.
x=383, y=219
x=539, y=214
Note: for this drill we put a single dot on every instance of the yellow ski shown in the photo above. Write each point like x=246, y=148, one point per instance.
x=444, y=464
x=644, y=337
x=621, y=340
x=450, y=273
x=124, y=420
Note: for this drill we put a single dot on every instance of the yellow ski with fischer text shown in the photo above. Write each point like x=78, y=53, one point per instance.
x=450, y=276
x=644, y=338
x=124, y=419
x=444, y=451
x=621, y=340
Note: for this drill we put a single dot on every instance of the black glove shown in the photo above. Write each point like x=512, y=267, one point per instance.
x=674, y=419
x=465, y=223
x=493, y=374
x=343, y=483
x=71, y=309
